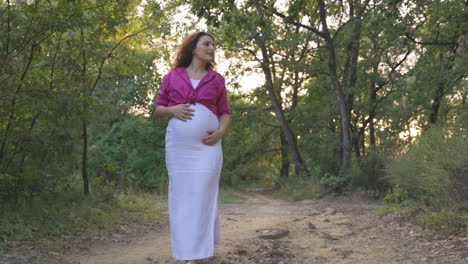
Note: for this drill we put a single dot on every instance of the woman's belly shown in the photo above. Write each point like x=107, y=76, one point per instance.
x=195, y=129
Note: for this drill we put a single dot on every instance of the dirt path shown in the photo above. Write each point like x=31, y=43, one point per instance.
x=334, y=230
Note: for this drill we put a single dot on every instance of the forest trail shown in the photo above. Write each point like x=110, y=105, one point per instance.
x=329, y=230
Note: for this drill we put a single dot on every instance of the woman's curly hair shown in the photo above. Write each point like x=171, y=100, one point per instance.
x=184, y=54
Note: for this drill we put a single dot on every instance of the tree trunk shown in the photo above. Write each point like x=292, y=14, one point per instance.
x=357, y=137
x=7, y=48
x=437, y=100
x=277, y=108
x=290, y=138
x=84, y=161
x=357, y=149
x=300, y=167
x=344, y=116
x=438, y=97
x=11, y=118
x=362, y=143
x=350, y=73
x=373, y=105
x=284, y=171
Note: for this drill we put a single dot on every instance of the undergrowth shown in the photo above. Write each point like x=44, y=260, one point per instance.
x=229, y=195
x=73, y=212
x=76, y=213
x=446, y=222
x=298, y=188
x=430, y=182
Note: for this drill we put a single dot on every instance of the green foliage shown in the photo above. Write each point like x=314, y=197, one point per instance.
x=407, y=209
x=444, y=221
x=131, y=153
x=434, y=169
x=335, y=183
x=396, y=195
x=431, y=181
x=313, y=121
x=64, y=64
x=71, y=212
x=248, y=156
x=297, y=188
x=229, y=195
x=369, y=171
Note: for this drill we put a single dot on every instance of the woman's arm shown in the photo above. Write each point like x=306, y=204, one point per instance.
x=180, y=111
x=224, y=122
x=163, y=112
x=216, y=134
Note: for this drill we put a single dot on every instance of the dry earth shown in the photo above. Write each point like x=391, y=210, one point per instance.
x=329, y=230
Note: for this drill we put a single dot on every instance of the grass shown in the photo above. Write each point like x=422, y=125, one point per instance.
x=73, y=212
x=76, y=213
x=429, y=181
x=229, y=195
x=299, y=189
x=445, y=222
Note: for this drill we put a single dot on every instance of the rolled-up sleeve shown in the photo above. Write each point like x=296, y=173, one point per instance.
x=222, y=103
x=162, y=98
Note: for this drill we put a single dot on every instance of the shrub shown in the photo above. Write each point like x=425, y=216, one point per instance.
x=369, y=173
x=131, y=153
x=334, y=183
x=73, y=212
x=430, y=181
x=299, y=188
x=434, y=170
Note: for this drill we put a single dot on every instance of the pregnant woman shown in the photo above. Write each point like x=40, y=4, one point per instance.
x=193, y=97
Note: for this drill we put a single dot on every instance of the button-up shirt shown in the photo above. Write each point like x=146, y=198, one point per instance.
x=176, y=88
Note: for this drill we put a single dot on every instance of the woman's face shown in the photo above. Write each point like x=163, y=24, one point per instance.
x=205, y=49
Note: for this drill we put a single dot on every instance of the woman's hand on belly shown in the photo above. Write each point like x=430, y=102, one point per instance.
x=182, y=112
x=214, y=136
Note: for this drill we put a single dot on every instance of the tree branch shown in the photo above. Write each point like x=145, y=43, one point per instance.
x=253, y=54
x=314, y=30
x=429, y=43
x=110, y=54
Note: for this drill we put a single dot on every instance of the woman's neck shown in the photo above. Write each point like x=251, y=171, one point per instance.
x=196, y=69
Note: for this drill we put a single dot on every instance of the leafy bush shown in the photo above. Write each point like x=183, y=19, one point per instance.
x=131, y=153
x=434, y=170
x=299, y=188
x=430, y=181
x=250, y=147
x=369, y=173
x=443, y=221
x=335, y=183
x=72, y=211
x=396, y=195
x=45, y=166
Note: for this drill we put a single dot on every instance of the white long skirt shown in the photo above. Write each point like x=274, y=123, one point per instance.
x=194, y=170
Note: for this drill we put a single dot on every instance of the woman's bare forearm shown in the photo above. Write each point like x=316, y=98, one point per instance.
x=163, y=112
x=224, y=122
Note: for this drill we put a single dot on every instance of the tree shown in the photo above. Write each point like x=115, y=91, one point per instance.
x=265, y=43
x=54, y=64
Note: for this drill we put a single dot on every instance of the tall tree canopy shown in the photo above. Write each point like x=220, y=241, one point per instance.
x=346, y=86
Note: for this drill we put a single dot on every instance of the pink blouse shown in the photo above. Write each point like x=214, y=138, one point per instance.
x=176, y=88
